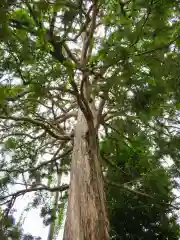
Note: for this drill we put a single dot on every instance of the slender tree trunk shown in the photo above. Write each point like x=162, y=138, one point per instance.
x=86, y=214
x=2, y=236
x=53, y=226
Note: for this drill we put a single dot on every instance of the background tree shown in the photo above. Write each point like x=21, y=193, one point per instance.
x=132, y=214
x=97, y=65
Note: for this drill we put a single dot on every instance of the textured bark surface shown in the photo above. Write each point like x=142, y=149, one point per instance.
x=86, y=214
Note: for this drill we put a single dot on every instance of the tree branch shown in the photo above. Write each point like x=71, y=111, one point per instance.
x=33, y=15
x=88, y=37
x=39, y=124
x=23, y=170
x=146, y=17
x=113, y=165
x=67, y=116
x=34, y=189
x=158, y=48
x=52, y=23
x=84, y=97
x=71, y=55
x=16, y=96
x=126, y=187
x=100, y=110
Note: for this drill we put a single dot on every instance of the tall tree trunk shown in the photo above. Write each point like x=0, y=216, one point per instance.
x=86, y=214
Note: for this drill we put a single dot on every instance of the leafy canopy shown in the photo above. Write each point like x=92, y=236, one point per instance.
x=133, y=56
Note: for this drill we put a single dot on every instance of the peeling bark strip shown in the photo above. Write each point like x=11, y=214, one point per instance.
x=86, y=214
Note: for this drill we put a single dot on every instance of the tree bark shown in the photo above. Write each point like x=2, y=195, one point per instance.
x=86, y=214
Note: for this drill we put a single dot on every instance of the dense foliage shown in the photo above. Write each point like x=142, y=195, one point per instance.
x=134, y=71
x=139, y=215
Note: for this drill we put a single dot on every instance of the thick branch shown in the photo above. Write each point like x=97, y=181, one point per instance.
x=85, y=97
x=100, y=111
x=88, y=36
x=66, y=116
x=39, y=124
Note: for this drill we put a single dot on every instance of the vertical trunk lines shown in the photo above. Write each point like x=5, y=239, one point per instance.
x=86, y=214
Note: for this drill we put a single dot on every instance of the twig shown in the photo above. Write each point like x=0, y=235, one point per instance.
x=158, y=48
x=144, y=23
x=16, y=96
